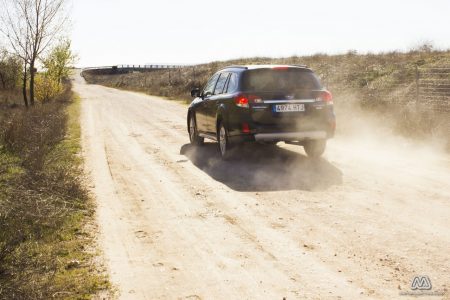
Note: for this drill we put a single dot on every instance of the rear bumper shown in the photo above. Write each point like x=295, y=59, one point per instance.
x=291, y=136
x=279, y=136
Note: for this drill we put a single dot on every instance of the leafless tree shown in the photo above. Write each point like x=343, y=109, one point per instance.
x=31, y=26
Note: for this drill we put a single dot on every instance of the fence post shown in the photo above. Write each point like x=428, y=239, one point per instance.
x=417, y=85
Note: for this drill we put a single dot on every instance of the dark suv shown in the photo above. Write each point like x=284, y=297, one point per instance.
x=262, y=103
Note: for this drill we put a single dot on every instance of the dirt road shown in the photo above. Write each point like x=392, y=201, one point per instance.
x=178, y=223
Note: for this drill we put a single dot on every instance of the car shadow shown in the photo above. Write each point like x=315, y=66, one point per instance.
x=256, y=167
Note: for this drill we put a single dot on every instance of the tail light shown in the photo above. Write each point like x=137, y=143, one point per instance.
x=325, y=96
x=245, y=128
x=245, y=100
x=241, y=101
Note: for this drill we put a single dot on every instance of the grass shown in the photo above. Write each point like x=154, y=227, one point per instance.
x=46, y=247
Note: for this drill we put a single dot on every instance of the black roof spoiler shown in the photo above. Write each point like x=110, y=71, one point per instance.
x=301, y=66
x=235, y=67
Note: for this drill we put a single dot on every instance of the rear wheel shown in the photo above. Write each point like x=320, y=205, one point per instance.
x=196, y=140
x=315, y=148
x=222, y=138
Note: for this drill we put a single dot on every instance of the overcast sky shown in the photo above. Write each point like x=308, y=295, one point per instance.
x=107, y=32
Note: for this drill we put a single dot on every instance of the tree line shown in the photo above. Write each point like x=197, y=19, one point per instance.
x=32, y=34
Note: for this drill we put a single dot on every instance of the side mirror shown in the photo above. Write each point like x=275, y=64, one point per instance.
x=195, y=93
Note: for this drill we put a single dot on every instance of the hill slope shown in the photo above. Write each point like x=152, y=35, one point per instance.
x=408, y=91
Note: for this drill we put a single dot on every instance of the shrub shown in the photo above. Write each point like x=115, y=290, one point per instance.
x=10, y=71
x=47, y=88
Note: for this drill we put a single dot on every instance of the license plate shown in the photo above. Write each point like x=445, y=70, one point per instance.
x=289, y=107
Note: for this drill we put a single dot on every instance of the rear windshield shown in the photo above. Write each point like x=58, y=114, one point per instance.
x=280, y=80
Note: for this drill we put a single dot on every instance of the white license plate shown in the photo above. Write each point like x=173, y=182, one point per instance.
x=289, y=107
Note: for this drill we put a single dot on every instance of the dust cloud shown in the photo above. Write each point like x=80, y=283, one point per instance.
x=371, y=136
x=364, y=140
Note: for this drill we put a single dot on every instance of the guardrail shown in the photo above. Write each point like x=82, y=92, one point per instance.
x=123, y=69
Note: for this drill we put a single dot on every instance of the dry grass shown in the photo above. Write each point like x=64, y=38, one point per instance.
x=10, y=98
x=43, y=205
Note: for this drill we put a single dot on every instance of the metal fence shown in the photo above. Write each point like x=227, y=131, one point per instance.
x=427, y=87
x=433, y=88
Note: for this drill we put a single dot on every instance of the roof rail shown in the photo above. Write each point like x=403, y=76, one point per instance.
x=236, y=67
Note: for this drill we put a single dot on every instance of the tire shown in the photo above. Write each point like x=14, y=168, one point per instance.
x=195, y=139
x=222, y=139
x=315, y=148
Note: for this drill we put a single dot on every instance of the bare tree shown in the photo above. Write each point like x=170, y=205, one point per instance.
x=30, y=27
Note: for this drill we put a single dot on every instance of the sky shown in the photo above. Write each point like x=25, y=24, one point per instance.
x=111, y=32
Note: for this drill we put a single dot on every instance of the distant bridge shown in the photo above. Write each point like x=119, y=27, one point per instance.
x=124, y=69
